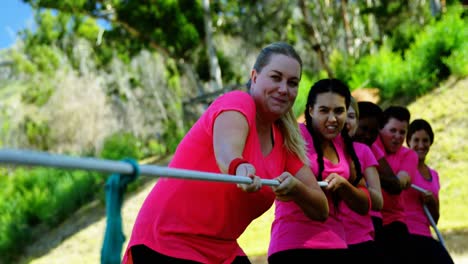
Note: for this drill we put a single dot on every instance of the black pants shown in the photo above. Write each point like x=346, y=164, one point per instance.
x=142, y=254
x=364, y=253
x=299, y=256
x=393, y=242
x=427, y=250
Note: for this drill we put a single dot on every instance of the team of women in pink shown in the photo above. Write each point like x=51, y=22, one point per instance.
x=255, y=134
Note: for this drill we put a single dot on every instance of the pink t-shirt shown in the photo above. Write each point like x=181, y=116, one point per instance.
x=359, y=228
x=292, y=229
x=416, y=219
x=201, y=220
x=404, y=159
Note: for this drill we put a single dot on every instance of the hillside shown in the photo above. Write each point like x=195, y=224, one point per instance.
x=79, y=239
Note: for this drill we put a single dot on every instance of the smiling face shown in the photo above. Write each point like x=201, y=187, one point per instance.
x=275, y=87
x=328, y=114
x=421, y=143
x=393, y=134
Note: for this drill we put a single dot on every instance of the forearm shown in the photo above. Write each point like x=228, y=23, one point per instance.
x=312, y=201
x=433, y=207
x=373, y=186
x=388, y=179
x=355, y=198
x=376, y=198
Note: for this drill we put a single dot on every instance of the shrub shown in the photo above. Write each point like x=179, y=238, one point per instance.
x=121, y=145
x=427, y=55
x=39, y=197
x=382, y=70
x=457, y=62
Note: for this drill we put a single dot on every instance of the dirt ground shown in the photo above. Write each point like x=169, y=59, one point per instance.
x=79, y=239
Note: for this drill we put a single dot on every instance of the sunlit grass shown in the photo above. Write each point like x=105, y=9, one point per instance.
x=254, y=241
x=446, y=110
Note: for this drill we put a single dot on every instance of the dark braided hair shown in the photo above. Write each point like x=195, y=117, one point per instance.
x=338, y=87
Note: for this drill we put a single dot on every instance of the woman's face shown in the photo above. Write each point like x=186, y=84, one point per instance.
x=393, y=134
x=421, y=143
x=328, y=114
x=351, y=121
x=367, y=131
x=275, y=87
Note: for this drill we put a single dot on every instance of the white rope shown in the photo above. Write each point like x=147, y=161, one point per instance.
x=429, y=216
x=37, y=158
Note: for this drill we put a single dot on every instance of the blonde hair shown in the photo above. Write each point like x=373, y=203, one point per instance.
x=293, y=140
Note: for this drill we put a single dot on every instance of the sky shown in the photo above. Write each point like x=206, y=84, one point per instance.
x=14, y=16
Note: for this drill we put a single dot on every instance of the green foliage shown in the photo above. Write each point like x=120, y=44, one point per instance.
x=21, y=65
x=425, y=58
x=237, y=18
x=229, y=74
x=391, y=14
x=172, y=135
x=457, y=62
x=34, y=197
x=382, y=70
x=403, y=35
x=428, y=60
x=137, y=25
x=121, y=145
x=341, y=65
x=37, y=94
x=301, y=99
x=37, y=133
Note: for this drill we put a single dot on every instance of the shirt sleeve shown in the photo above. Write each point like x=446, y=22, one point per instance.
x=436, y=180
x=293, y=163
x=239, y=101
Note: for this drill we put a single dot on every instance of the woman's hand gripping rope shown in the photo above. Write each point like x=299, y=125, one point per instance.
x=247, y=169
x=287, y=184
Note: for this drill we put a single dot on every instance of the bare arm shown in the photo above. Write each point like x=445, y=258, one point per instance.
x=373, y=185
x=304, y=190
x=354, y=197
x=388, y=179
x=230, y=132
x=432, y=204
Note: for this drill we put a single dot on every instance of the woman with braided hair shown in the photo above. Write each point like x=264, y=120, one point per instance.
x=294, y=237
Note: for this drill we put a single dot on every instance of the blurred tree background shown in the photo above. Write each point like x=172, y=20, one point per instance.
x=113, y=79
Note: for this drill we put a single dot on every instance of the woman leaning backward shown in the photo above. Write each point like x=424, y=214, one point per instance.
x=250, y=134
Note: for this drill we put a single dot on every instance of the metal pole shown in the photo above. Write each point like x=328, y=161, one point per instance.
x=429, y=216
x=37, y=158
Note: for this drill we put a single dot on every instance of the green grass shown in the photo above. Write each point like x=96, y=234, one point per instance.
x=446, y=109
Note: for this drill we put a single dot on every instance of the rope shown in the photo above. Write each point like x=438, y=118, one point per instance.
x=429, y=216
x=114, y=236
